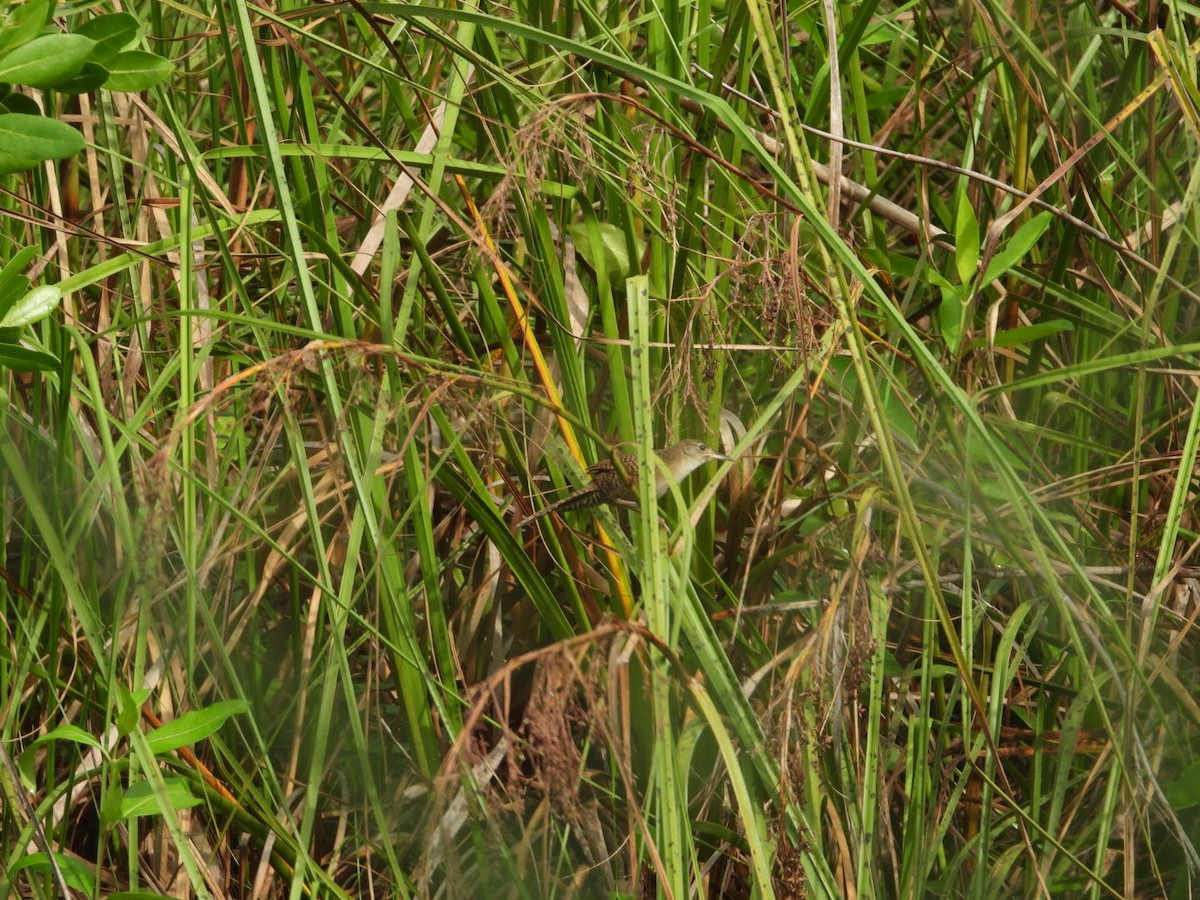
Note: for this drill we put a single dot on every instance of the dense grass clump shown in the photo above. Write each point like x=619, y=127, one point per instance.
x=358, y=288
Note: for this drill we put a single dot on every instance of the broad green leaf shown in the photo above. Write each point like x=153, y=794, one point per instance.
x=129, y=708
x=1027, y=334
x=952, y=313
x=136, y=70
x=139, y=800
x=35, y=138
x=194, y=726
x=47, y=60
x=69, y=732
x=75, y=872
x=10, y=164
x=938, y=279
x=615, y=253
x=112, y=795
x=37, y=304
x=14, y=285
x=23, y=23
x=112, y=33
x=89, y=78
x=966, y=239
x=23, y=359
x=19, y=103
x=1184, y=791
x=900, y=419
x=1016, y=247
x=27, y=762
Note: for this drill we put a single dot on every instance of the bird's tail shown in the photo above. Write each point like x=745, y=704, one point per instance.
x=583, y=499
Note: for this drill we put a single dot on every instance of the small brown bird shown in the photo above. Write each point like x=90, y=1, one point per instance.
x=611, y=484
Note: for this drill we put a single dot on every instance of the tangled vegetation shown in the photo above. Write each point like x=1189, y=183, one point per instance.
x=354, y=289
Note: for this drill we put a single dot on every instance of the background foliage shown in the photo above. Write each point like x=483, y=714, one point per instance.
x=359, y=286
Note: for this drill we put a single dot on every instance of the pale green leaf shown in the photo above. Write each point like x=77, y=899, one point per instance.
x=37, y=304
x=136, y=70
x=46, y=61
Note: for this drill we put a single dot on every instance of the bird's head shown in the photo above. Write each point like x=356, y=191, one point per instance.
x=685, y=457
